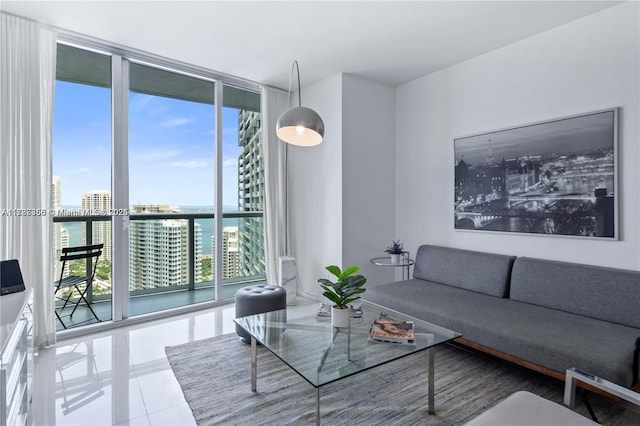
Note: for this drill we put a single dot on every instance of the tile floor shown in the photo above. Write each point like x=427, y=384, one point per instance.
x=121, y=376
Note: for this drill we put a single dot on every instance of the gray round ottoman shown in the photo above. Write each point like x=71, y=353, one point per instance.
x=257, y=299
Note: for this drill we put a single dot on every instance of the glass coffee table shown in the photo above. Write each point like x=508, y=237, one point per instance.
x=322, y=354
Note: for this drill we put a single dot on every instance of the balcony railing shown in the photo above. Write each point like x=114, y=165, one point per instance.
x=192, y=281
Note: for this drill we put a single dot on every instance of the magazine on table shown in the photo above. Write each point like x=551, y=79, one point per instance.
x=386, y=330
x=325, y=311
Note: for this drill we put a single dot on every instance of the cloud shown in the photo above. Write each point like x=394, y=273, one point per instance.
x=190, y=164
x=80, y=170
x=159, y=154
x=230, y=162
x=140, y=102
x=175, y=122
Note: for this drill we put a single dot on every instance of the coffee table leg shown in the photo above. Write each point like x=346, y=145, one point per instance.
x=254, y=364
x=430, y=356
x=317, y=406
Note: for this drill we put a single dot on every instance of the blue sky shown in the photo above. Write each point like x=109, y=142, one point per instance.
x=171, y=147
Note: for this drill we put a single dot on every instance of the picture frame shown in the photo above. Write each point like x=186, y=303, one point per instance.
x=554, y=178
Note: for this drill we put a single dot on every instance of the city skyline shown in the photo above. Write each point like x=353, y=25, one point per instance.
x=573, y=134
x=74, y=233
x=148, y=270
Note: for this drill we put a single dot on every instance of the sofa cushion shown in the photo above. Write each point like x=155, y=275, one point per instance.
x=485, y=273
x=604, y=293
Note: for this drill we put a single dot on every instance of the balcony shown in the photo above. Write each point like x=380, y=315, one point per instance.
x=164, y=273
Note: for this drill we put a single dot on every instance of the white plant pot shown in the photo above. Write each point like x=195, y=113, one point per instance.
x=340, y=317
x=396, y=259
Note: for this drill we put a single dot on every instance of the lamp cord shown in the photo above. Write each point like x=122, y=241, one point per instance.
x=297, y=67
x=286, y=161
x=286, y=200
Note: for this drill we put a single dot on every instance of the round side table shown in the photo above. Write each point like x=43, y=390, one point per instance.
x=405, y=263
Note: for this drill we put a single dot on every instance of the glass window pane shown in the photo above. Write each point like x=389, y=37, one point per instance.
x=171, y=188
x=243, y=191
x=82, y=174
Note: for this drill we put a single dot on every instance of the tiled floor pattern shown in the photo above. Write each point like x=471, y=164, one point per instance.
x=121, y=376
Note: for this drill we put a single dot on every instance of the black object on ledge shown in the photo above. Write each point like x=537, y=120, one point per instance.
x=11, y=280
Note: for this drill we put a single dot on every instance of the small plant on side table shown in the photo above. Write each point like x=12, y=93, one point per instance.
x=396, y=250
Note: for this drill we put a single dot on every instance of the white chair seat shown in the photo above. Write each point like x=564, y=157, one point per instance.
x=527, y=409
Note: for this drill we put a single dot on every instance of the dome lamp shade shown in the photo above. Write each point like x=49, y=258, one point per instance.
x=300, y=125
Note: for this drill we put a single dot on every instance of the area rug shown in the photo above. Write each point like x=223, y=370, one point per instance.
x=215, y=376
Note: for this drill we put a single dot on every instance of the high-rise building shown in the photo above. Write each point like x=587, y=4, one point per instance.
x=56, y=193
x=250, y=195
x=230, y=252
x=159, y=250
x=99, y=201
x=155, y=208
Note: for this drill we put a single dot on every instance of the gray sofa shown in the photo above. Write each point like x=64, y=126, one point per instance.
x=542, y=314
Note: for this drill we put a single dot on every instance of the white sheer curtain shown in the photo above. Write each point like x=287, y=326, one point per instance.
x=27, y=81
x=273, y=103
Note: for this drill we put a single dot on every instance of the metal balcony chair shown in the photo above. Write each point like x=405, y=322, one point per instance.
x=78, y=283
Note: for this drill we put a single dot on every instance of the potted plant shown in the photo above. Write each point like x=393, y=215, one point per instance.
x=396, y=251
x=343, y=291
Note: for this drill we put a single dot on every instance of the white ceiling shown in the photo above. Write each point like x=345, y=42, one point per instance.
x=388, y=41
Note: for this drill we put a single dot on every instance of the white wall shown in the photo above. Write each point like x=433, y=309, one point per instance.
x=589, y=64
x=342, y=190
x=315, y=176
x=368, y=173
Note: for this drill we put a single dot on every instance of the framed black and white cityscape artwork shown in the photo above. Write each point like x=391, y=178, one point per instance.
x=557, y=177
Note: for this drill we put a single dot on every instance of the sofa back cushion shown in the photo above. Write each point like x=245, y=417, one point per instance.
x=485, y=273
x=594, y=291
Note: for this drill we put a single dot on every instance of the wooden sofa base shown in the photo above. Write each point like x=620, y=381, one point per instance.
x=531, y=366
x=512, y=359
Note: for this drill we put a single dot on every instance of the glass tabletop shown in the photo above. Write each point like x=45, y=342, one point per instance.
x=386, y=261
x=322, y=354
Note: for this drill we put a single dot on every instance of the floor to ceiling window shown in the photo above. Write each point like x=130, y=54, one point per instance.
x=171, y=185
x=168, y=172
x=82, y=174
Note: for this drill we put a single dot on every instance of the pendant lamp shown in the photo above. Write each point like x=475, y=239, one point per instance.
x=300, y=125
